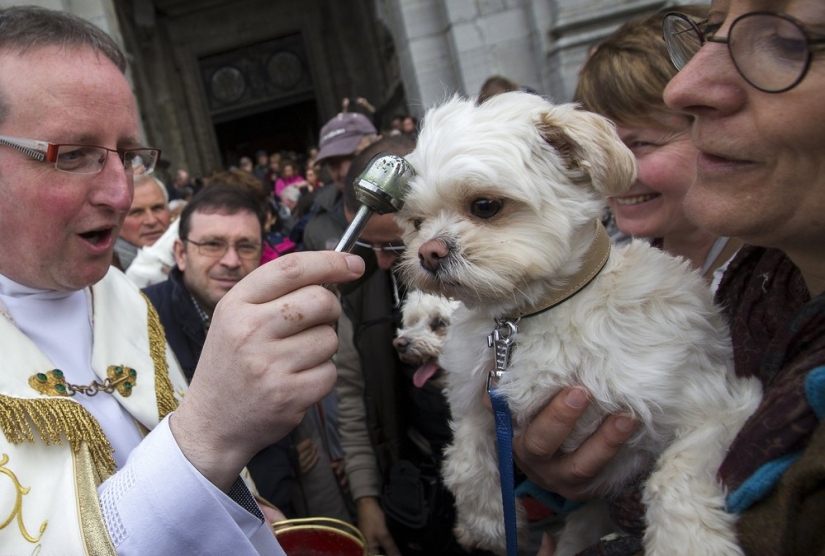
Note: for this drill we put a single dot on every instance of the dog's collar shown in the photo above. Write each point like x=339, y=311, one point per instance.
x=594, y=260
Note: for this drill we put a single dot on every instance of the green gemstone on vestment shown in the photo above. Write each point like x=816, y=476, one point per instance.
x=118, y=370
x=127, y=385
x=60, y=388
x=42, y=377
x=58, y=374
x=132, y=373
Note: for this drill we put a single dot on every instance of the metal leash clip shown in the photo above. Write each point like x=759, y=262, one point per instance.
x=503, y=341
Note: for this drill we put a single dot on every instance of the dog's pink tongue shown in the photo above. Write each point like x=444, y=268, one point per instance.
x=424, y=373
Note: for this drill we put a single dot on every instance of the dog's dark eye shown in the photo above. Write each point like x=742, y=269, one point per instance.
x=439, y=325
x=485, y=208
x=417, y=223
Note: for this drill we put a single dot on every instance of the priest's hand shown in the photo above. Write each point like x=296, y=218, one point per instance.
x=266, y=360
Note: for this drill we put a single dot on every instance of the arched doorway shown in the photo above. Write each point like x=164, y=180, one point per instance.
x=261, y=97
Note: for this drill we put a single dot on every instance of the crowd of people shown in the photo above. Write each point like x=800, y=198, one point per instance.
x=172, y=384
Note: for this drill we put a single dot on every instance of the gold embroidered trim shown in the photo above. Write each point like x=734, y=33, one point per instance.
x=164, y=391
x=55, y=417
x=18, y=504
x=95, y=535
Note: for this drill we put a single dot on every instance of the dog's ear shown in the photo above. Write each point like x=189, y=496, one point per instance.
x=589, y=143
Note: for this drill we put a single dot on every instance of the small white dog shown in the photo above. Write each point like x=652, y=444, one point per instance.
x=502, y=216
x=424, y=321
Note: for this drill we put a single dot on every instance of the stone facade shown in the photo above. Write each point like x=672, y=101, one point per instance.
x=218, y=79
x=449, y=46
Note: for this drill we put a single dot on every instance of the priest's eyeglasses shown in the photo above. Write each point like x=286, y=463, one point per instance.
x=771, y=51
x=217, y=248
x=394, y=248
x=83, y=159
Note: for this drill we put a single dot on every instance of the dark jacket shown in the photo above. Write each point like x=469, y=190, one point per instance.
x=370, y=308
x=271, y=468
x=419, y=510
x=326, y=219
x=184, y=328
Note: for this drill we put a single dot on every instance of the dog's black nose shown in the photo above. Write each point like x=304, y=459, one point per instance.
x=401, y=344
x=431, y=253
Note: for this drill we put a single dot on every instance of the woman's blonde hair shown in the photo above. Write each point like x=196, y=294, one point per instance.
x=626, y=75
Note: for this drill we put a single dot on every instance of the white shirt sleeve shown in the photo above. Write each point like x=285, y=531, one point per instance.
x=160, y=504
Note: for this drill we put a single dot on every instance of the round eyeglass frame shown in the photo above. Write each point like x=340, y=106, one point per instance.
x=812, y=44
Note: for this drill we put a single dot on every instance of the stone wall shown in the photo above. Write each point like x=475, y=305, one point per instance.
x=452, y=46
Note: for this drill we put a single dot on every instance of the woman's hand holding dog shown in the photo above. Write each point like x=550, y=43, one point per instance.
x=568, y=475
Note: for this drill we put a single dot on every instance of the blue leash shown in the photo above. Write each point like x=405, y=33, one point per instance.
x=502, y=340
x=504, y=438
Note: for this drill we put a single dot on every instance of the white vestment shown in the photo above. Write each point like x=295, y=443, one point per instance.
x=55, y=450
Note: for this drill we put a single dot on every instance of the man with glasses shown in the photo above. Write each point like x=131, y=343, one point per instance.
x=369, y=371
x=392, y=430
x=100, y=451
x=221, y=234
x=220, y=239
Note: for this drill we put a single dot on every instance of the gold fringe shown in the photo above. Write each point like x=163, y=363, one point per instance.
x=165, y=393
x=54, y=418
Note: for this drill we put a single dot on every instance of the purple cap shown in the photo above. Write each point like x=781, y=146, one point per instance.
x=341, y=135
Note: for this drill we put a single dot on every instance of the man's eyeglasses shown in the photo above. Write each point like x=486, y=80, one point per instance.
x=217, y=248
x=771, y=51
x=392, y=247
x=83, y=159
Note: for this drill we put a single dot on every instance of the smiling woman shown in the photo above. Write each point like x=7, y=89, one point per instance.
x=624, y=80
x=756, y=122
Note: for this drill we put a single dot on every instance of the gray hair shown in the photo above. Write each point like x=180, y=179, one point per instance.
x=291, y=193
x=23, y=28
x=149, y=178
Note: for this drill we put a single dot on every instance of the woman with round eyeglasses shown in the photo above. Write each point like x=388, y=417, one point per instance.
x=753, y=82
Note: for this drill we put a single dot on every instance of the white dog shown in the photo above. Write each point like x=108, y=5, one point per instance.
x=424, y=321
x=502, y=216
